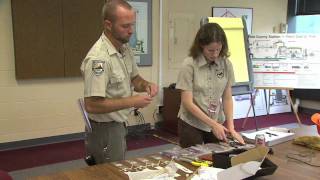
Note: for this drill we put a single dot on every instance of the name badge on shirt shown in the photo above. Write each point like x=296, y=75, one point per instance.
x=98, y=67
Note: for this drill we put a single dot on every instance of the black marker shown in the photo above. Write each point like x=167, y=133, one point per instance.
x=271, y=134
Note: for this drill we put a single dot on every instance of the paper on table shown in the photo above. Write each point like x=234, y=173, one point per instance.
x=168, y=172
x=272, y=137
x=207, y=173
x=150, y=174
x=240, y=171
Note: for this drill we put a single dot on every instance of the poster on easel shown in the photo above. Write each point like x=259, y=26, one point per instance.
x=285, y=60
x=282, y=61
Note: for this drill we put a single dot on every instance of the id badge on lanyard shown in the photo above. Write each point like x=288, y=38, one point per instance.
x=212, y=108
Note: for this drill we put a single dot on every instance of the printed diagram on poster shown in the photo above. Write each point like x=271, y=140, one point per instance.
x=138, y=40
x=235, y=12
x=285, y=60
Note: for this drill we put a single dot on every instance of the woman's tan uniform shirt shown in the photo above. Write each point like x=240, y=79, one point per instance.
x=108, y=74
x=207, y=83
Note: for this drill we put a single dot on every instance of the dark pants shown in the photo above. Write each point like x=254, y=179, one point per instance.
x=190, y=136
x=107, y=141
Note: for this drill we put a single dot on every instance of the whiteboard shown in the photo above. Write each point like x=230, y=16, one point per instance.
x=285, y=60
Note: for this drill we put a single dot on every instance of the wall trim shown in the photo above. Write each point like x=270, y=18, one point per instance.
x=41, y=141
x=135, y=130
x=308, y=111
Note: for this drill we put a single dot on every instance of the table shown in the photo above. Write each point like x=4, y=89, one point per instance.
x=293, y=170
x=108, y=171
x=287, y=169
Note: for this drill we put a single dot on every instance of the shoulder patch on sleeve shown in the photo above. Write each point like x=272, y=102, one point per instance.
x=98, y=67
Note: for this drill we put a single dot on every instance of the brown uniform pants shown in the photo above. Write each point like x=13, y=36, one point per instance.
x=190, y=136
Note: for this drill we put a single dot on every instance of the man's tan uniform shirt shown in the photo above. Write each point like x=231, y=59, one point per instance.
x=207, y=83
x=108, y=74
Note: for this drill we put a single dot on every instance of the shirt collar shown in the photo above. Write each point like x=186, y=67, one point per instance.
x=203, y=62
x=110, y=47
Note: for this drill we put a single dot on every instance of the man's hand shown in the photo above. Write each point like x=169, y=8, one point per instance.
x=141, y=85
x=152, y=89
x=219, y=131
x=141, y=101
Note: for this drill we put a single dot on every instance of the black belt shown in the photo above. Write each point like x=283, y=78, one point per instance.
x=93, y=121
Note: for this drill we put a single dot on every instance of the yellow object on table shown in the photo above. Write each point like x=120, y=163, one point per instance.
x=202, y=163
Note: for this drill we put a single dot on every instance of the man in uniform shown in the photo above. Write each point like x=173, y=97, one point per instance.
x=110, y=76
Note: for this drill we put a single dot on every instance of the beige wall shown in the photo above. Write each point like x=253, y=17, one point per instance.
x=40, y=108
x=33, y=108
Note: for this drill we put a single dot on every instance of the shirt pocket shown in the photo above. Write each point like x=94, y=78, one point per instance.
x=116, y=78
x=200, y=84
x=117, y=86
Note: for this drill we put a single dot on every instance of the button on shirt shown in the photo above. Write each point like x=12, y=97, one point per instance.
x=207, y=82
x=108, y=74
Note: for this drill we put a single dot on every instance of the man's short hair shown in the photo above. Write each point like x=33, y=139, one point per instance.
x=110, y=7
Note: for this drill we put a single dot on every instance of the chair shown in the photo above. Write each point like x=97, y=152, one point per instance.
x=85, y=115
x=89, y=159
x=4, y=175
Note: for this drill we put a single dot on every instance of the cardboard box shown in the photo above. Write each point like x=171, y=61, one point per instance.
x=248, y=164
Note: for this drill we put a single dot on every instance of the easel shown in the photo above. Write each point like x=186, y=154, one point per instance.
x=252, y=102
x=268, y=104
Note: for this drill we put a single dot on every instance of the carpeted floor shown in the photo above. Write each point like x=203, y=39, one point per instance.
x=66, y=151
x=271, y=120
x=52, y=153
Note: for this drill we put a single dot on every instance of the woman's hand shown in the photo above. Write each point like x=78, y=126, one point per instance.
x=236, y=136
x=219, y=131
